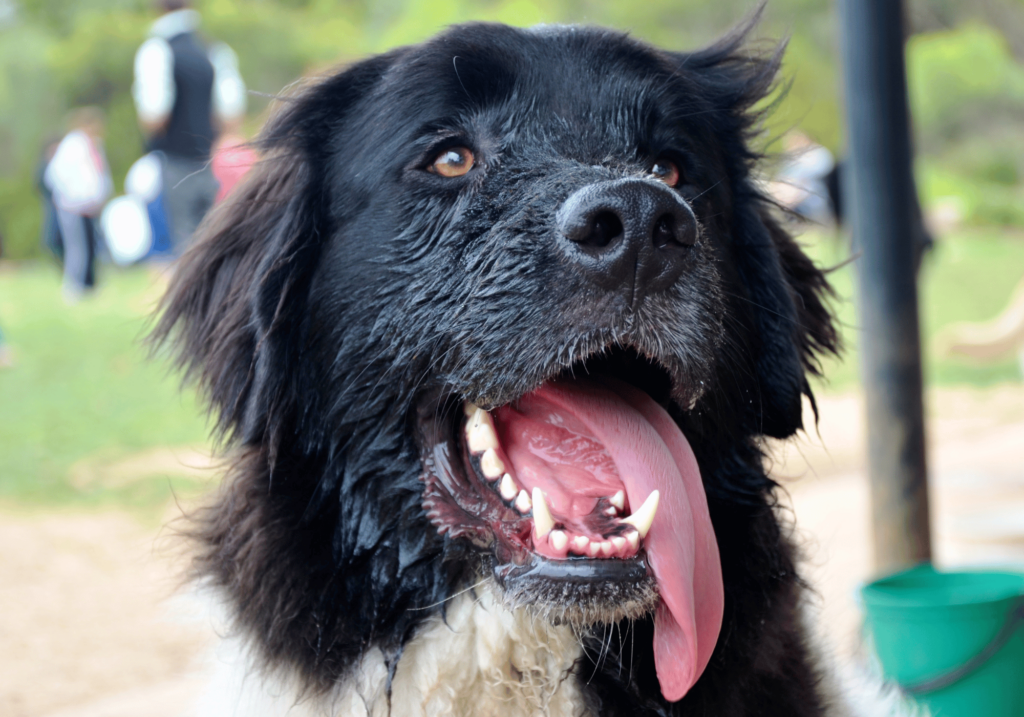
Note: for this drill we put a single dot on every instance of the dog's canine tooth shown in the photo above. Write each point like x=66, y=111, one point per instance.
x=542, y=520
x=469, y=408
x=479, y=416
x=633, y=538
x=618, y=542
x=619, y=500
x=480, y=433
x=508, y=487
x=558, y=539
x=491, y=465
x=523, y=502
x=644, y=516
x=580, y=543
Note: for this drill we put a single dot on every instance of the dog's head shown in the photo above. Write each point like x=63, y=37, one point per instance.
x=495, y=304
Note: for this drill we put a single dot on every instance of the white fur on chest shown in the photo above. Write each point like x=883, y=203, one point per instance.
x=480, y=660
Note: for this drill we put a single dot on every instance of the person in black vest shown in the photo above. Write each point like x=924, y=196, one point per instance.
x=184, y=90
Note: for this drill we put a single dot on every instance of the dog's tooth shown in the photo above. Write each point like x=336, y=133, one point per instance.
x=633, y=538
x=594, y=548
x=618, y=542
x=490, y=464
x=523, y=502
x=644, y=516
x=619, y=500
x=480, y=438
x=610, y=510
x=508, y=487
x=542, y=519
x=469, y=408
x=558, y=539
x=580, y=543
x=606, y=548
x=480, y=433
x=480, y=416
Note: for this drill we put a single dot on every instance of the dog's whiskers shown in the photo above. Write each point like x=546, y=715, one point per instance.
x=618, y=629
x=450, y=597
x=632, y=635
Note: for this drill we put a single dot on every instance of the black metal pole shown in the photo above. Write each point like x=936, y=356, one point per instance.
x=879, y=190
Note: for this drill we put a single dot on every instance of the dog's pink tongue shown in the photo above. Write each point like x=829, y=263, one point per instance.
x=651, y=453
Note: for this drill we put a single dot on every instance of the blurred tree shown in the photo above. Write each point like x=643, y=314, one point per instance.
x=962, y=81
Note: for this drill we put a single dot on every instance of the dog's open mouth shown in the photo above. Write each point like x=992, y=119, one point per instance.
x=546, y=463
x=589, y=498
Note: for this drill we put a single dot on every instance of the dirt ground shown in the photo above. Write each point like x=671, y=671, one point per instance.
x=93, y=623
x=91, y=610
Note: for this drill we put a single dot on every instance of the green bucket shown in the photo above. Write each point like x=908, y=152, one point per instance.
x=952, y=641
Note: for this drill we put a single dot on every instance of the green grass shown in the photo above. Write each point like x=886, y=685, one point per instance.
x=83, y=389
x=968, y=276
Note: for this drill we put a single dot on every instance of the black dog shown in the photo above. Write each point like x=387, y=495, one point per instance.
x=497, y=326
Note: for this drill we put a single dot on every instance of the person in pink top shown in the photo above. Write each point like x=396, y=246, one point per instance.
x=232, y=158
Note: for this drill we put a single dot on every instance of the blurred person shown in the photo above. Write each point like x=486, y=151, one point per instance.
x=809, y=184
x=79, y=180
x=232, y=159
x=184, y=90
x=800, y=185
x=145, y=181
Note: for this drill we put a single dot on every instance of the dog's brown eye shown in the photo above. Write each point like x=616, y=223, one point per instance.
x=666, y=171
x=453, y=162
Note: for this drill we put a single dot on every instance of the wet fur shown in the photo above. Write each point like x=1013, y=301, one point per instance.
x=332, y=289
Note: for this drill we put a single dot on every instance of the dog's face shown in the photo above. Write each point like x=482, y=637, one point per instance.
x=509, y=299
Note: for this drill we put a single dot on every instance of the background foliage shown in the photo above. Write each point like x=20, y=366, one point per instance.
x=967, y=85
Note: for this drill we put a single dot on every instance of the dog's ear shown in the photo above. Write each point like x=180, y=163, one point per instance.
x=786, y=298
x=235, y=308
x=782, y=291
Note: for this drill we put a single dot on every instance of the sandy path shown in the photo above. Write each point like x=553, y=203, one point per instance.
x=90, y=626
x=88, y=611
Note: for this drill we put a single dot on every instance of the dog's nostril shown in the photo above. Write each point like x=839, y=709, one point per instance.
x=664, y=231
x=674, y=229
x=603, y=229
x=668, y=230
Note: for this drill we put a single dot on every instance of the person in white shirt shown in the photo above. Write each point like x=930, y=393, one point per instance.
x=79, y=179
x=184, y=91
x=800, y=185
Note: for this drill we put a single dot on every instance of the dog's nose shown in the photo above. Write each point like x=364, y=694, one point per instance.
x=628, y=234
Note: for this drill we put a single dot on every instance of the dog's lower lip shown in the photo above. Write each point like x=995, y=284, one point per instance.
x=575, y=570
x=580, y=591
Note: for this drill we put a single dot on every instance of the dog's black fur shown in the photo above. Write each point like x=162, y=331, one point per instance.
x=342, y=286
